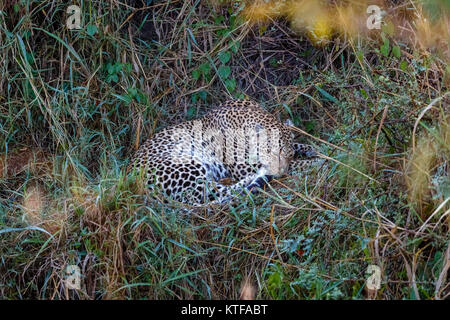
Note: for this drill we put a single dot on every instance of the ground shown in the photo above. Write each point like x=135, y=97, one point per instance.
x=75, y=104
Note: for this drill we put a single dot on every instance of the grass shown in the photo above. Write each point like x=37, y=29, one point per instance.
x=74, y=105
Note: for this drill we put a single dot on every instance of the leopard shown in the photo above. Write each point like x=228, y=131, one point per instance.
x=237, y=141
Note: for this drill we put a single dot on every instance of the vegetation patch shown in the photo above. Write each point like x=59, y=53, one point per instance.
x=76, y=103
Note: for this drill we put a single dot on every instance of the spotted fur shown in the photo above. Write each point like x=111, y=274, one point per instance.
x=237, y=140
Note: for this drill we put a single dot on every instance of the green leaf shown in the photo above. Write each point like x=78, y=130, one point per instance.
x=235, y=46
x=128, y=68
x=91, y=29
x=233, y=22
x=126, y=99
x=191, y=112
x=396, y=52
x=132, y=92
x=360, y=56
x=202, y=94
x=230, y=84
x=364, y=93
x=205, y=68
x=219, y=20
x=180, y=276
x=309, y=126
x=192, y=36
x=6, y=230
x=113, y=78
x=240, y=95
x=22, y=47
x=222, y=32
x=388, y=28
x=196, y=74
x=327, y=96
x=384, y=49
x=224, y=72
x=110, y=68
x=117, y=67
x=224, y=56
x=403, y=65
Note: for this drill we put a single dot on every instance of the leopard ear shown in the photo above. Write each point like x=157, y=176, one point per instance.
x=289, y=123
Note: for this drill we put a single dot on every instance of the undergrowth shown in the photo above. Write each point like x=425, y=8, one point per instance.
x=75, y=104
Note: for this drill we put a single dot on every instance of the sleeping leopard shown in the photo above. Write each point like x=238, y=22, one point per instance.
x=237, y=140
